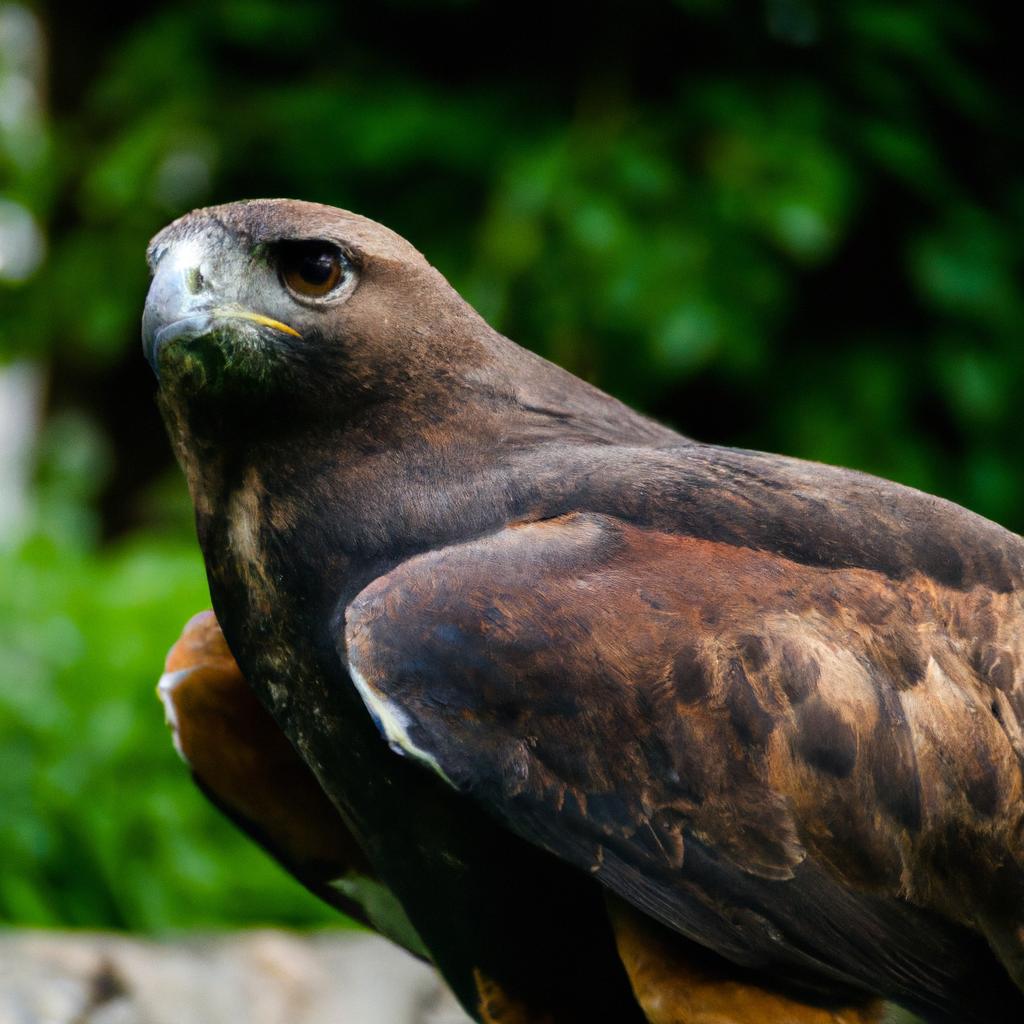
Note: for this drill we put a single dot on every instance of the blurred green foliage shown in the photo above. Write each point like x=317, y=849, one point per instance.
x=99, y=822
x=787, y=225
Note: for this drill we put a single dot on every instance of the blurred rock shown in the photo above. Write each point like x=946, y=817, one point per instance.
x=262, y=977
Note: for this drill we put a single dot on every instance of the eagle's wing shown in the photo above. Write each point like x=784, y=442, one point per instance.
x=246, y=767
x=804, y=769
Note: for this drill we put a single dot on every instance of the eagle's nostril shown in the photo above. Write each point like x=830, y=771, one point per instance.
x=194, y=280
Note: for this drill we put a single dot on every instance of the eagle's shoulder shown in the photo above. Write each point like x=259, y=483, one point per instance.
x=734, y=740
x=808, y=512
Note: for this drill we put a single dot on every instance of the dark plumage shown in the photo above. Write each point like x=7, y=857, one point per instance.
x=774, y=707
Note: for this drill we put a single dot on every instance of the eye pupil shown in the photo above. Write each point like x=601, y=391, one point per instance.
x=317, y=268
x=310, y=269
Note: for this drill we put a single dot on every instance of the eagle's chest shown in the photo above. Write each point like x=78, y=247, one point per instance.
x=268, y=599
x=258, y=612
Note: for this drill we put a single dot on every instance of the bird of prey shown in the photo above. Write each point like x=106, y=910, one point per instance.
x=609, y=724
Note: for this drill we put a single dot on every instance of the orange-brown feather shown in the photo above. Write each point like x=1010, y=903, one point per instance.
x=496, y=1006
x=676, y=982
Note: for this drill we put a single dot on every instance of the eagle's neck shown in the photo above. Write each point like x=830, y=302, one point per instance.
x=307, y=509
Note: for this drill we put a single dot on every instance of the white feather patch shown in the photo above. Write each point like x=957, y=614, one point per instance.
x=165, y=691
x=394, y=721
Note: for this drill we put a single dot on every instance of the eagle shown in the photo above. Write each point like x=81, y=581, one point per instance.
x=609, y=724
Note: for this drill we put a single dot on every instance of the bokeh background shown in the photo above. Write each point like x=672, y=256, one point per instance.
x=786, y=225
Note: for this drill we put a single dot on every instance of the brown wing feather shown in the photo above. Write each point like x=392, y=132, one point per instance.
x=813, y=768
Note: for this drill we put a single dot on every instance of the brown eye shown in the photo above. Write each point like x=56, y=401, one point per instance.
x=312, y=269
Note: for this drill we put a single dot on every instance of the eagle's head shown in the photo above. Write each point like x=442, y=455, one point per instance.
x=282, y=306
x=287, y=334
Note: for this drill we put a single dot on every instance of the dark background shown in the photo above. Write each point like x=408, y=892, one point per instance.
x=782, y=225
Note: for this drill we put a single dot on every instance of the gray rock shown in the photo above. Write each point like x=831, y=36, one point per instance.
x=262, y=977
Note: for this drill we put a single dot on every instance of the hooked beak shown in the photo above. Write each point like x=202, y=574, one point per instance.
x=200, y=324
x=184, y=303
